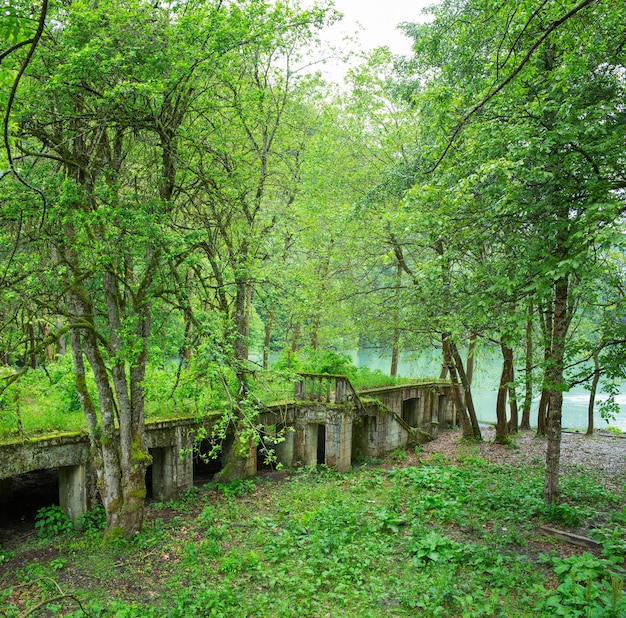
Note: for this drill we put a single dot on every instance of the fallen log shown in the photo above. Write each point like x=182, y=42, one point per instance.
x=569, y=537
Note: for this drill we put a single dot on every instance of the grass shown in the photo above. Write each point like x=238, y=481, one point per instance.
x=44, y=401
x=429, y=538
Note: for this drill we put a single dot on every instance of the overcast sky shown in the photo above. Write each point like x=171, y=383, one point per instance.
x=379, y=19
x=373, y=23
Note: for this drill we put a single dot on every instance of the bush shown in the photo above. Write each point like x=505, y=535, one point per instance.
x=52, y=521
x=92, y=521
x=318, y=361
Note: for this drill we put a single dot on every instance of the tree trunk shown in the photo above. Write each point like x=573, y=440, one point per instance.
x=471, y=356
x=111, y=475
x=240, y=456
x=268, y=338
x=592, y=391
x=241, y=319
x=134, y=458
x=315, y=332
x=514, y=418
x=395, y=344
x=543, y=412
x=45, y=331
x=295, y=339
x=467, y=391
x=459, y=405
x=555, y=381
x=31, y=339
x=395, y=352
x=528, y=377
x=502, y=428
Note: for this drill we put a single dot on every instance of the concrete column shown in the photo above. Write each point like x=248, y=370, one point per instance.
x=339, y=442
x=172, y=474
x=73, y=490
x=310, y=440
x=299, y=443
x=158, y=473
x=182, y=466
x=285, y=449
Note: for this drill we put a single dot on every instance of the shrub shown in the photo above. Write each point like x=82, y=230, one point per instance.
x=92, y=521
x=52, y=521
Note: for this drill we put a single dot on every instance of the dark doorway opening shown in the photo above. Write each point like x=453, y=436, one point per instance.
x=409, y=412
x=22, y=496
x=207, y=461
x=321, y=444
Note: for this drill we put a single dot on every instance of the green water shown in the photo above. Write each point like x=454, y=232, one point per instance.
x=485, y=385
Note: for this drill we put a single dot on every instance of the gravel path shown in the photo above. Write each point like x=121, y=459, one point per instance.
x=603, y=451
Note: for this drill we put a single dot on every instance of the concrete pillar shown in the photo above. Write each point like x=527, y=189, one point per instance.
x=285, y=449
x=310, y=441
x=300, y=443
x=172, y=474
x=158, y=472
x=73, y=490
x=339, y=442
x=183, y=466
x=6, y=490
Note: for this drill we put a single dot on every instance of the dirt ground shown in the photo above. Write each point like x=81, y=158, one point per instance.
x=603, y=451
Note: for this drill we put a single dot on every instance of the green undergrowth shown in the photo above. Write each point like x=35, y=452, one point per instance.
x=428, y=539
x=44, y=401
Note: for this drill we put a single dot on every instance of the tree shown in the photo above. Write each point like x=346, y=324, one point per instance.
x=242, y=176
x=540, y=144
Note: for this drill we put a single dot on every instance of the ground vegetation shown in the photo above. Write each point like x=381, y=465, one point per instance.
x=450, y=530
x=182, y=197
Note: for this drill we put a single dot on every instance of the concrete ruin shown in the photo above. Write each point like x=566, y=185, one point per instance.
x=327, y=423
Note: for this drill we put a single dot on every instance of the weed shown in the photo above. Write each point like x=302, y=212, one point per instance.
x=433, y=547
x=564, y=514
x=185, y=500
x=52, y=521
x=58, y=563
x=437, y=539
x=92, y=521
x=5, y=554
x=399, y=455
x=613, y=543
x=237, y=488
x=589, y=587
x=614, y=430
x=236, y=562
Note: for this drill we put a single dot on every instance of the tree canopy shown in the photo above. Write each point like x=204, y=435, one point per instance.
x=177, y=181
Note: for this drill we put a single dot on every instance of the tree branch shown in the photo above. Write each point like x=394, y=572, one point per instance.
x=533, y=48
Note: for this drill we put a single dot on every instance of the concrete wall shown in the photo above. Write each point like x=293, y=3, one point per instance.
x=347, y=433
x=378, y=432
x=433, y=402
x=335, y=421
x=43, y=454
x=172, y=472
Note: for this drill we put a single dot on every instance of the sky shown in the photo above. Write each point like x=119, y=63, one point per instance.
x=379, y=19
x=374, y=23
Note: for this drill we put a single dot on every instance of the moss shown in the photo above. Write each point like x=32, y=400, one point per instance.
x=113, y=535
x=114, y=506
x=138, y=455
x=139, y=494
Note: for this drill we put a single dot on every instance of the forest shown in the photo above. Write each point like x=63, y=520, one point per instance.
x=183, y=194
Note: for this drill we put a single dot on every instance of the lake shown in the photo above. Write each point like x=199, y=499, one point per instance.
x=485, y=385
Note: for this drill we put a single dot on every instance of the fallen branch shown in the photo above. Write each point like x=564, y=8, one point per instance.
x=569, y=537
